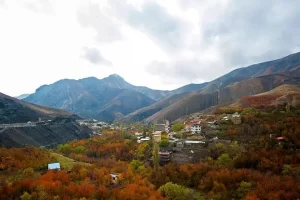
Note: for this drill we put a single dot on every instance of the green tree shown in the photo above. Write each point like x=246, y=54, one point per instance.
x=80, y=149
x=288, y=108
x=25, y=196
x=217, y=150
x=243, y=189
x=164, y=143
x=234, y=149
x=64, y=148
x=155, y=156
x=28, y=173
x=136, y=164
x=225, y=160
x=177, y=127
x=177, y=192
x=142, y=150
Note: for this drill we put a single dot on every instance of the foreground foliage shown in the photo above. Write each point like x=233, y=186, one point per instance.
x=263, y=169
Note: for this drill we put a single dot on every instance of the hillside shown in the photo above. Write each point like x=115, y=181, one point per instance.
x=224, y=96
x=123, y=104
x=44, y=135
x=284, y=64
x=13, y=110
x=102, y=99
x=146, y=112
x=284, y=94
x=22, y=96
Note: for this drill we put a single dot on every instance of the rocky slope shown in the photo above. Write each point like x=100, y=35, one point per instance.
x=123, y=104
x=284, y=94
x=202, y=100
x=284, y=64
x=143, y=113
x=50, y=134
x=13, y=110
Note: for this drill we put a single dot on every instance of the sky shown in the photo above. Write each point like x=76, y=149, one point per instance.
x=159, y=44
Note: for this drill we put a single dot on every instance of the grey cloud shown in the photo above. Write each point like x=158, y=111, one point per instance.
x=39, y=6
x=254, y=31
x=106, y=28
x=152, y=19
x=183, y=71
x=94, y=56
x=238, y=34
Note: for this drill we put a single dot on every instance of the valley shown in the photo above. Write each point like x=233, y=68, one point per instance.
x=108, y=139
x=149, y=100
x=230, y=156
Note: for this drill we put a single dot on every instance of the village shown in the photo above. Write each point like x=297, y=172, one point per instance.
x=188, y=142
x=185, y=141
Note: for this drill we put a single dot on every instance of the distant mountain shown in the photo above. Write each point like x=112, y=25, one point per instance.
x=13, y=110
x=287, y=63
x=104, y=99
x=239, y=83
x=143, y=113
x=123, y=104
x=22, y=96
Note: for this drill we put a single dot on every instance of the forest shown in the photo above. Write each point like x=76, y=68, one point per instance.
x=260, y=168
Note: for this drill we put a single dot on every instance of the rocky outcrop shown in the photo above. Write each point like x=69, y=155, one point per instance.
x=48, y=134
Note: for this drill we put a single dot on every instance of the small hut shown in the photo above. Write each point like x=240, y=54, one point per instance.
x=115, y=178
x=54, y=166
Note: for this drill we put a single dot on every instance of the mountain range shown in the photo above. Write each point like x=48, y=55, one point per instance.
x=103, y=99
x=239, y=83
x=112, y=98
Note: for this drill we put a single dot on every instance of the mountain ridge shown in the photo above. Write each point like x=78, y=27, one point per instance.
x=89, y=96
x=227, y=88
x=13, y=110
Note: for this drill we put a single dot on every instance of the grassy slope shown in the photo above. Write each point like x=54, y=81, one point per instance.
x=65, y=162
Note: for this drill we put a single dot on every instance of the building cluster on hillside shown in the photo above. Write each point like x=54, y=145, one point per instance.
x=235, y=118
x=193, y=126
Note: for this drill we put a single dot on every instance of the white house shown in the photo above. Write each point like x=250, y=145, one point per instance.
x=195, y=128
x=141, y=140
x=114, y=178
x=54, y=166
x=156, y=136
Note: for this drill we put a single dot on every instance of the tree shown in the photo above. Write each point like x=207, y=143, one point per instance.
x=26, y=196
x=155, y=156
x=244, y=188
x=164, y=143
x=28, y=173
x=142, y=150
x=177, y=127
x=177, y=192
x=80, y=149
x=225, y=160
x=288, y=108
x=136, y=164
x=64, y=148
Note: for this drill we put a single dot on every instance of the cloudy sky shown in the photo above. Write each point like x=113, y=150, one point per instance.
x=159, y=44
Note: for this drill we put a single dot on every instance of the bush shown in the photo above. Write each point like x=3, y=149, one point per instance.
x=164, y=143
x=177, y=127
x=178, y=192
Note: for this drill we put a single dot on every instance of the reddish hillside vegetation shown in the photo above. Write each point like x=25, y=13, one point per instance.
x=284, y=94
